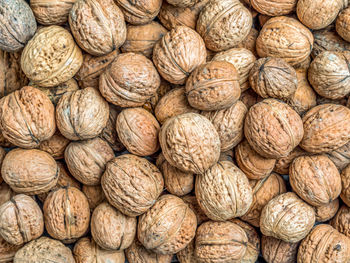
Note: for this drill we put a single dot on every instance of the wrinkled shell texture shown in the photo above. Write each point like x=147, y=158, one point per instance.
x=66, y=214
x=286, y=38
x=274, y=7
x=94, y=195
x=111, y=229
x=51, y=57
x=137, y=253
x=345, y=178
x=27, y=117
x=98, y=26
x=178, y=53
x=55, y=146
x=326, y=212
x=223, y=24
x=187, y=255
x=340, y=156
x=168, y=227
x=277, y=251
x=192, y=202
x=6, y=193
x=282, y=165
x=343, y=24
x=341, y=220
x=132, y=184
x=195, y=155
x=273, y=129
x=7, y=251
x=82, y=114
x=182, y=3
x=223, y=192
x=287, y=217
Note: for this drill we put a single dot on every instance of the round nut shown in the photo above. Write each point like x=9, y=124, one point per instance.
x=6, y=193
x=250, y=98
x=282, y=165
x=182, y=3
x=2, y=156
x=250, y=41
x=343, y=24
x=345, y=178
x=7, y=251
x=278, y=251
x=94, y=195
x=341, y=220
x=327, y=212
x=274, y=7
x=187, y=255
x=55, y=146
x=192, y=202
x=137, y=253
x=340, y=156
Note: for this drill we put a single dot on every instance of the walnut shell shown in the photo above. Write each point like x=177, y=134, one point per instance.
x=7, y=251
x=282, y=164
x=287, y=217
x=250, y=41
x=19, y=25
x=94, y=195
x=273, y=129
x=168, y=227
x=345, y=178
x=195, y=155
x=192, y=202
x=6, y=193
x=278, y=251
x=286, y=38
x=111, y=229
x=274, y=7
x=223, y=24
x=326, y=212
x=340, y=156
x=51, y=57
x=66, y=214
x=178, y=53
x=187, y=255
x=250, y=98
x=2, y=156
x=182, y=3
x=55, y=146
x=326, y=128
x=343, y=24
x=137, y=253
x=21, y=220
x=341, y=220
x=82, y=114
x=129, y=175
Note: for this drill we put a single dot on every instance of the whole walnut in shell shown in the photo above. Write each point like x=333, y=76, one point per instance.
x=21, y=220
x=250, y=41
x=168, y=227
x=82, y=114
x=111, y=229
x=51, y=57
x=7, y=251
x=137, y=253
x=6, y=193
x=94, y=195
x=192, y=202
x=129, y=175
x=340, y=156
x=282, y=165
x=187, y=255
x=343, y=24
x=55, y=146
x=274, y=7
x=345, y=178
x=98, y=26
x=341, y=220
x=278, y=251
x=326, y=212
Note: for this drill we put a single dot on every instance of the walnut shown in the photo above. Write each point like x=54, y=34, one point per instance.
x=7, y=251
x=345, y=178
x=55, y=146
x=250, y=98
x=250, y=41
x=168, y=227
x=2, y=156
x=51, y=57
x=192, y=202
x=282, y=164
x=6, y=193
x=273, y=8
x=94, y=195
x=66, y=214
x=137, y=253
x=129, y=175
x=278, y=251
x=343, y=24
x=287, y=217
x=82, y=114
x=340, y=156
x=326, y=212
x=322, y=100
x=187, y=255
x=341, y=220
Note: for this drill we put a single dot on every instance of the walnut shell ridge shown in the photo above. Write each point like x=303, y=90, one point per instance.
x=274, y=7
x=345, y=179
x=340, y=156
x=341, y=220
x=342, y=24
x=55, y=146
x=278, y=251
x=326, y=212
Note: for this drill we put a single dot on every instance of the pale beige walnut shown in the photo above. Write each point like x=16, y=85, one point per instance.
x=168, y=227
x=282, y=164
x=132, y=184
x=326, y=128
x=51, y=57
x=263, y=191
x=273, y=129
x=190, y=155
x=29, y=171
x=137, y=253
x=329, y=74
x=27, y=117
x=7, y=251
x=250, y=41
x=326, y=212
x=343, y=24
x=251, y=163
x=192, y=202
x=82, y=114
x=286, y=38
x=222, y=242
x=287, y=217
x=87, y=251
x=55, y=146
x=250, y=98
x=111, y=229
x=340, y=156
x=324, y=244
x=187, y=255
x=278, y=251
x=21, y=220
x=178, y=53
x=341, y=220
x=94, y=195
x=44, y=250
x=345, y=178
x=86, y=160
x=223, y=192
x=66, y=214
x=6, y=193
x=223, y=24
x=274, y=7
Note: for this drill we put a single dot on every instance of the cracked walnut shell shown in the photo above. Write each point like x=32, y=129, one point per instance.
x=137, y=253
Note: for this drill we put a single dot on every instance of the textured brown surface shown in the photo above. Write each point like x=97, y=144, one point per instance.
x=282, y=164
x=192, y=202
x=250, y=41
x=94, y=195
x=55, y=146
x=277, y=251
x=137, y=253
x=182, y=3
x=187, y=255
x=340, y=156
x=326, y=212
x=274, y=7
x=343, y=24
x=6, y=193
x=7, y=251
x=249, y=98
x=2, y=156
x=345, y=178
x=341, y=220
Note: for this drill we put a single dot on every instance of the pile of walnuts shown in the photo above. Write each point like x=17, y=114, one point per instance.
x=214, y=130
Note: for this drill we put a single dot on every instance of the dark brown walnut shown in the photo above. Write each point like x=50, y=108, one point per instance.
x=137, y=253
x=263, y=190
x=223, y=24
x=142, y=38
x=7, y=251
x=86, y=160
x=343, y=24
x=178, y=53
x=262, y=18
x=278, y=251
x=51, y=57
x=315, y=179
x=324, y=244
x=287, y=217
x=273, y=77
x=250, y=41
x=138, y=131
x=192, y=202
x=87, y=251
x=223, y=192
x=326, y=212
x=98, y=26
x=326, y=128
x=220, y=242
x=286, y=38
x=250, y=98
x=111, y=229
x=187, y=255
x=329, y=73
x=341, y=220
x=6, y=193
x=19, y=25
x=66, y=214
x=21, y=220
x=94, y=195
x=42, y=249
x=82, y=114
x=251, y=163
x=282, y=164
x=55, y=146
x=29, y=171
x=345, y=178
x=273, y=8
x=27, y=117
x=132, y=184
x=273, y=129
x=340, y=156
